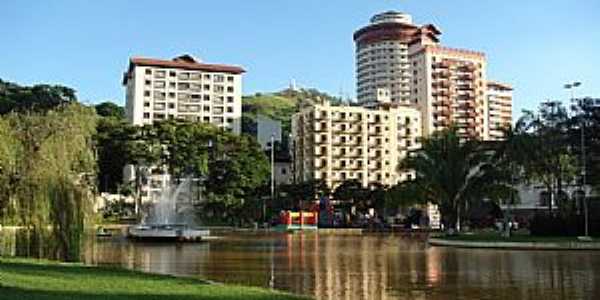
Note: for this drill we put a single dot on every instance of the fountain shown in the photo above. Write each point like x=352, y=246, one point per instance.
x=171, y=218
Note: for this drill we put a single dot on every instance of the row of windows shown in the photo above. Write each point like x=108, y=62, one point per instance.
x=190, y=86
x=207, y=119
x=158, y=95
x=191, y=108
x=181, y=75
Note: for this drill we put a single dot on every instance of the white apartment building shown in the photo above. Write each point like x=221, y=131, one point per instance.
x=338, y=143
x=499, y=101
x=382, y=56
x=183, y=88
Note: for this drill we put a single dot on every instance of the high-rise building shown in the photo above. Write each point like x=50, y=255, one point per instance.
x=383, y=71
x=183, y=88
x=338, y=143
x=449, y=87
x=499, y=102
x=400, y=62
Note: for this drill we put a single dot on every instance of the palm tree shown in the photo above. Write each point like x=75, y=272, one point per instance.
x=453, y=173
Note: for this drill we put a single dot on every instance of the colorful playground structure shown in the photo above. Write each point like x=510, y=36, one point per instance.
x=302, y=220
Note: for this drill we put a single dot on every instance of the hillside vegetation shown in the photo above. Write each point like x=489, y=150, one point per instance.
x=280, y=106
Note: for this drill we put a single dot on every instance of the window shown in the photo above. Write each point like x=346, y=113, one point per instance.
x=207, y=76
x=146, y=115
x=146, y=104
x=148, y=71
x=230, y=109
x=172, y=73
x=283, y=171
x=230, y=120
x=206, y=97
x=219, y=78
x=207, y=119
x=171, y=105
x=171, y=95
x=147, y=82
x=206, y=108
x=147, y=93
x=229, y=78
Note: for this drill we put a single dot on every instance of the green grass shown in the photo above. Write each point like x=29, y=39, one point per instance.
x=496, y=237
x=39, y=279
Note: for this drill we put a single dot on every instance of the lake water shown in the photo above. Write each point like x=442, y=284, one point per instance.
x=368, y=266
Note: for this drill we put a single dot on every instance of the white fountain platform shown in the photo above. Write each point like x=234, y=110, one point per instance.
x=168, y=232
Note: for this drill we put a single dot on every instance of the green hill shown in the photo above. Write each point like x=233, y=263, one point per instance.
x=279, y=106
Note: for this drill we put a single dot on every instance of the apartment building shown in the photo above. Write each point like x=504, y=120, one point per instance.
x=183, y=88
x=449, y=88
x=382, y=58
x=338, y=143
x=499, y=102
x=400, y=62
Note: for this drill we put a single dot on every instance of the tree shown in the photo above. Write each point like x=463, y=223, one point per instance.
x=351, y=192
x=452, y=173
x=113, y=143
x=38, y=98
x=110, y=110
x=297, y=195
x=49, y=169
x=550, y=160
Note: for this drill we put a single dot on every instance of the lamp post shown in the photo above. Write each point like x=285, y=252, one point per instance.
x=272, y=177
x=571, y=87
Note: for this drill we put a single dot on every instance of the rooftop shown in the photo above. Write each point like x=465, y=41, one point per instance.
x=185, y=61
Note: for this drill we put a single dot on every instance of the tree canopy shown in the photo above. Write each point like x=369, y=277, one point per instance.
x=37, y=98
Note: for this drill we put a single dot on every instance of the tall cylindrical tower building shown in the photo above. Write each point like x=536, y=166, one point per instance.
x=382, y=65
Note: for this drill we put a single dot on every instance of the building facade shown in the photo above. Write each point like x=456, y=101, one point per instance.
x=449, y=87
x=499, y=102
x=400, y=62
x=383, y=70
x=183, y=88
x=338, y=143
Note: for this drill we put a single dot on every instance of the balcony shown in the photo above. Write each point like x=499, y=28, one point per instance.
x=441, y=123
x=441, y=74
x=320, y=127
x=465, y=77
x=444, y=102
x=467, y=68
x=443, y=83
x=441, y=93
x=443, y=111
x=441, y=65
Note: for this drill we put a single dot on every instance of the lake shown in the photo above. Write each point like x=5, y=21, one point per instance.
x=368, y=266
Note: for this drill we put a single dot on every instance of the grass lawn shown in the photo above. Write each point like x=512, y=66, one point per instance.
x=496, y=237
x=39, y=279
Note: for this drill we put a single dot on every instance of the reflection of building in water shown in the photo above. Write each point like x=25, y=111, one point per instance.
x=172, y=259
x=347, y=267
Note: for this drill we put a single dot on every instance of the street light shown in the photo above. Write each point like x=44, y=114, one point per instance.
x=571, y=87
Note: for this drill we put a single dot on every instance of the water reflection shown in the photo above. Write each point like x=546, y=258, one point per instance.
x=357, y=267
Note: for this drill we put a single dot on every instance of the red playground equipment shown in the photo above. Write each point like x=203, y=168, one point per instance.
x=301, y=220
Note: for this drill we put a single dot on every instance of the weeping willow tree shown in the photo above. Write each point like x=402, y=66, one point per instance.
x=47, y=175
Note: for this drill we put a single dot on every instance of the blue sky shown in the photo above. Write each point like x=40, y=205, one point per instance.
x=536, y=46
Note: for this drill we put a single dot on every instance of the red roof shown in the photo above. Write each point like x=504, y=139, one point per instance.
x=182, y=62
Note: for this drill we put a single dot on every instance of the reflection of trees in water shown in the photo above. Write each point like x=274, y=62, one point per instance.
x=353, y=267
